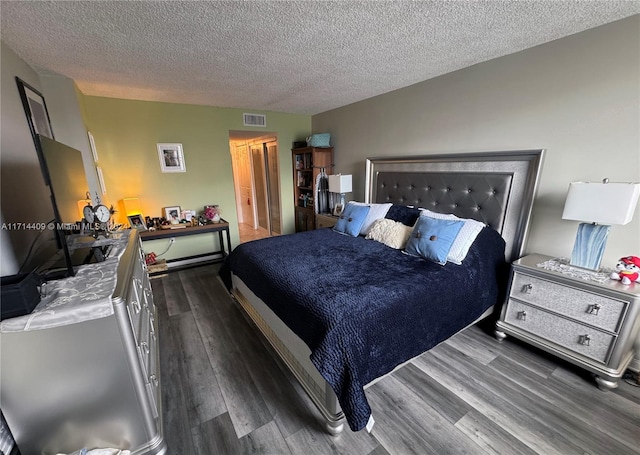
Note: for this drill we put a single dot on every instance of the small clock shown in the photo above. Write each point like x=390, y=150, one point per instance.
x=102, y=213
x=88, y=213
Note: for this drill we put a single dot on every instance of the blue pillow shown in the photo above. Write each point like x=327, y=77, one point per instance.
x=352, y=219
x=432, y=238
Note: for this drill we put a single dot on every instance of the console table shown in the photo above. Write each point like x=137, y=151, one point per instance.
x=221, y=228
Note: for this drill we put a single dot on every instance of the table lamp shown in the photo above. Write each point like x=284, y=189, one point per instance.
x=599, y=205
x=340, y=184
x=131, y=206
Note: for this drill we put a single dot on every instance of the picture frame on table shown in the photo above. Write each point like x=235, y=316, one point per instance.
x=172, y=213
x=338, y=209
x=35, y=108
x=171, y=158
x=137, y=222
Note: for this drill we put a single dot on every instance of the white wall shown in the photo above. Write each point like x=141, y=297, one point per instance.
x=577, y=97
x=22, y=186
x=67, y=123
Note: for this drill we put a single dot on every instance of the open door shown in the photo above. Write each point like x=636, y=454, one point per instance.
x=256, y=177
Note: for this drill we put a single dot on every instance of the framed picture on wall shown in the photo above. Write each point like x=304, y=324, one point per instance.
x=92, y=143
x=35, y=109
x=171, y=158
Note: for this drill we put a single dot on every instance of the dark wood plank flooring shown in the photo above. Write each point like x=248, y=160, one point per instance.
x=224, y=393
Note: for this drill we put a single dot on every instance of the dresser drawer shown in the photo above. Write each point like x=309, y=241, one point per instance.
x=577, y=337
x=597, y=310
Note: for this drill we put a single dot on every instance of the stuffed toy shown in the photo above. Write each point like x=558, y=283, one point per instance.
x=627, y=270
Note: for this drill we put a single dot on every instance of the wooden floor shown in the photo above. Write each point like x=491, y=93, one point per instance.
x=223, y=393
x=248, y=233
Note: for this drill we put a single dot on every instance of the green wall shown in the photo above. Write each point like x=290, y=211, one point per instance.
x=126, y=133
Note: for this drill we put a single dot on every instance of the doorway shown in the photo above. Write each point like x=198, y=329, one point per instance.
x=256, y=176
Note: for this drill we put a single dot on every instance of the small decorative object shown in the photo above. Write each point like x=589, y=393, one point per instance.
x=137, y=222
x=319, y=140
x=337, y=210
x=150, y=258
x=172, y=213
x=171, y=158
x=212, y=213
x=627, y=270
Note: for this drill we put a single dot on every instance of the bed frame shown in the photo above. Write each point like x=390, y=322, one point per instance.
x=496, y=188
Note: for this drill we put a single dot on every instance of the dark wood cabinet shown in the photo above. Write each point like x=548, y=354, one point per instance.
x=307, y=164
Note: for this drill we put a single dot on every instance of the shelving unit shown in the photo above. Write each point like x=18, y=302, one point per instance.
x=307, y=163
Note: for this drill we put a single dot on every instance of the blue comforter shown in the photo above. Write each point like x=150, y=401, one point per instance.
x=363, y=308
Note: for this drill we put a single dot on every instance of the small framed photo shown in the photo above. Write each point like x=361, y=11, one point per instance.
x=171, y=158
x=172, y=213
x=137, y=222
x=337, y=210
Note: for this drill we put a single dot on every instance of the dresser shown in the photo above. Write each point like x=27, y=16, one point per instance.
x=586, y=319
x=83, y=369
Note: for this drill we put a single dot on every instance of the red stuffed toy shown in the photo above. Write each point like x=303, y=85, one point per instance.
x=627, y=270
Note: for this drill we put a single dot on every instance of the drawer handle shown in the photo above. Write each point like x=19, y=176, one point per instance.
x=145, y=347
x=153, y=380
x=527, y=288
x=594, y=309
x=585, y=340
x=522, y=315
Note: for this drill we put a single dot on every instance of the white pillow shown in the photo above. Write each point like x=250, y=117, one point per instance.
x=465, y=238
x=376, y=212
x=392, y=233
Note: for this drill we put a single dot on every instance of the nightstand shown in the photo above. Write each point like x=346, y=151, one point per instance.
x=592, y=324
x=325, y=220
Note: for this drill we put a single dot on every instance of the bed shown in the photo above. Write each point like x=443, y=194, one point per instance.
x=343, y=311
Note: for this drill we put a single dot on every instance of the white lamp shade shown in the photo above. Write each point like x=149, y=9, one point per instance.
x=339, y=183
x=604, y=203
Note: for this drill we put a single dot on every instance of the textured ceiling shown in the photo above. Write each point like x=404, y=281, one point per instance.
x=300, y=57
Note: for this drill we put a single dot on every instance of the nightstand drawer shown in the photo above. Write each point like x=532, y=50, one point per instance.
x=579, y=338
x=597, y=310
x=325, y=221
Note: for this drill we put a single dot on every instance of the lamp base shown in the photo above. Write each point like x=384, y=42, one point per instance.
x=588, y=248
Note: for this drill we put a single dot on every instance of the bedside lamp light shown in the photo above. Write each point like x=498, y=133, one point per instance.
x=340, y=184
x=131, y=206
x=601, y=204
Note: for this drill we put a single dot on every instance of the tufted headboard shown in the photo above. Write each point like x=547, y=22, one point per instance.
x=496, y=188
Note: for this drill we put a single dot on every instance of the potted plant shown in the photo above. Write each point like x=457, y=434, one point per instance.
x=212, y=213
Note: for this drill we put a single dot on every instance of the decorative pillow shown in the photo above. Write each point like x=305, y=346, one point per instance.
x=392, y=233
x=376, y=211
x=406, y=215
x=351, y=219
x=466, y=236
x=432, y=238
